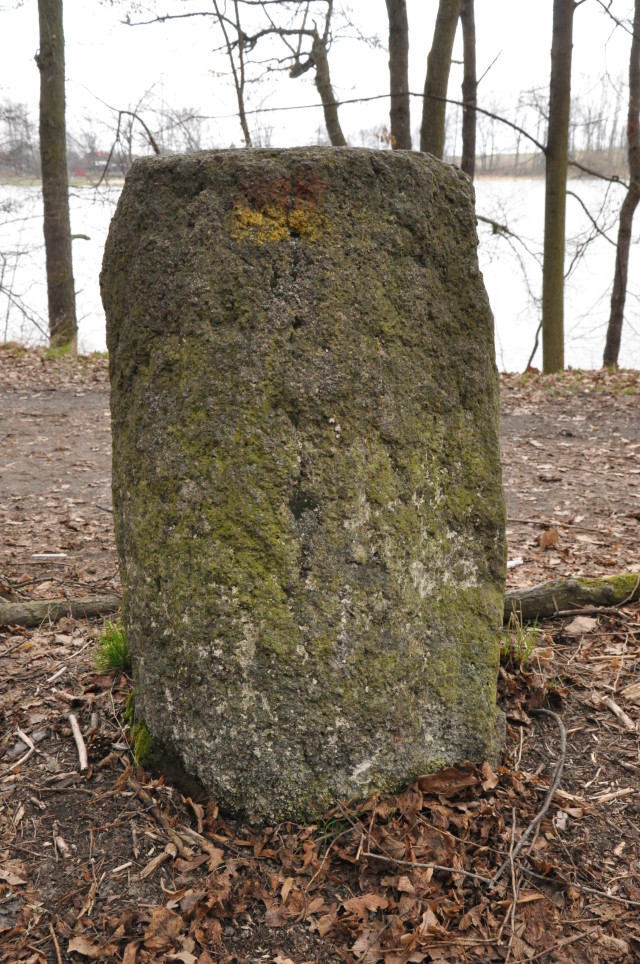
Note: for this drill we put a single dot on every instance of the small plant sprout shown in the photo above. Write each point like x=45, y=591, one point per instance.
x=112, y=654
x=518, y=642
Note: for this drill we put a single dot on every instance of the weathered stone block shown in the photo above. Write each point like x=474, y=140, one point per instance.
x=307, y=489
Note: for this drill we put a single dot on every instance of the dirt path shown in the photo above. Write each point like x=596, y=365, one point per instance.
x=113, y=865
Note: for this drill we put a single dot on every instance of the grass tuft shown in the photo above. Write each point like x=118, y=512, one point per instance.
x=60, y=351
x=112, y=654
x=518, y=643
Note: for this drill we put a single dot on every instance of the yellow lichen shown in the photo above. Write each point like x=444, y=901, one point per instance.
x=309, y=225
x=275, y=223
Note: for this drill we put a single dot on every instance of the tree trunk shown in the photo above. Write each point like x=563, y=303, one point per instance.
x=55, y=186
x=399, y=74
x=630, y=203
x=557, y=154
x=435, y=88
x=565, y=595
x=323, y=85
x=469, y=88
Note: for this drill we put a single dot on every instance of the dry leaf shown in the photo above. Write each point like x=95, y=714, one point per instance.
x=205, y=958
x=614, y=945
x=449, y=782
x=86, y=947
x=367, y=947
x=316, y=904
x=185, y=956
x=323, y=925
x=286, y=888
x=362, y=905
x=13, y=873
x=130, y=953
x=548, y=539
x=489, y=778
x=405, y=886
x=163, y=929
x=198, y=811
x=631, y=692
x=581, y=625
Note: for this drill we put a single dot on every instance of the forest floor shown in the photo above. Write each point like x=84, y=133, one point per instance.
x=113, y=864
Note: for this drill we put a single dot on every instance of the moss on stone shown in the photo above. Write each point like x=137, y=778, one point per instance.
x=129, y=714
x=143, y=746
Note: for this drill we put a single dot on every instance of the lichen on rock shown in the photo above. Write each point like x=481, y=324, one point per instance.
x=307, y=489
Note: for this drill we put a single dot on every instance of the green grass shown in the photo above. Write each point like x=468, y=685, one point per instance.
x=518, y=643
x=59, y=351
x=112, y=653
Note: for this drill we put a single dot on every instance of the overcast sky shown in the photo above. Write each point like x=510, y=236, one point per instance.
x=110, y=62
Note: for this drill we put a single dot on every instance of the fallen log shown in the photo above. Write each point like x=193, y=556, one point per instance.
x=568, y=596
x=35, y=613
x=558, y=597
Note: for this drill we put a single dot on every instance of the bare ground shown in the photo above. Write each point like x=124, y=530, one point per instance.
x=112, y=864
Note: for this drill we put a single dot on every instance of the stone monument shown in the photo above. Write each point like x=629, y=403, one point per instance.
x=306, y=478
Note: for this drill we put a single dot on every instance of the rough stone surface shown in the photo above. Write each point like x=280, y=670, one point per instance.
x=307, y=489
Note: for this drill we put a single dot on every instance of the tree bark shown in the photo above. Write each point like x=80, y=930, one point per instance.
x=55, y=185
x=630, y=203
x=400, y=116
x=557, y=155
x=437, y=80
x=323, y=85
x=564, y=595
x=469, y=88
x=34, y=613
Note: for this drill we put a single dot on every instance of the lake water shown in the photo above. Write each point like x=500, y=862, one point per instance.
x=511, y=268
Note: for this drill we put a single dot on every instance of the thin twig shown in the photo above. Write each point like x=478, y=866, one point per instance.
x=21, y=642
x=23, y=759
x=514, y=888
x=412, y=863
x=562, y=943
x=77, y=735
x=578, y=886
x=54, y=938
x=555, y=783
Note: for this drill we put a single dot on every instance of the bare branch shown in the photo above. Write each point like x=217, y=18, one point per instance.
x=594, y=223
x=614, y=179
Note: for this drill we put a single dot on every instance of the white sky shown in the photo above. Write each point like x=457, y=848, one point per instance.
x=109, y=61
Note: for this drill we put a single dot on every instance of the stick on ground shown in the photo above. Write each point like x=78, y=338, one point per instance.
x=77, y=735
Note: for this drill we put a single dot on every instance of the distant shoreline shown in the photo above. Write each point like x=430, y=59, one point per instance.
x=611, y=164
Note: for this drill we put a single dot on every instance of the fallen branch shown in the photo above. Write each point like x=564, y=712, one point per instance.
x=164, y=822
x=624, y=718
x=23, y=759
x=566, y=597
x=77, y=735
x=35, y=613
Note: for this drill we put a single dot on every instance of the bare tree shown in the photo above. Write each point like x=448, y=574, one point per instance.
x=18, y=141
x=63, y=326
x=236, y=43
x=630, y=203
x=319, y=59
x=304, y=47
x=399, y=74
x=469, y=87
x=432, y=131
x=557, y=157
